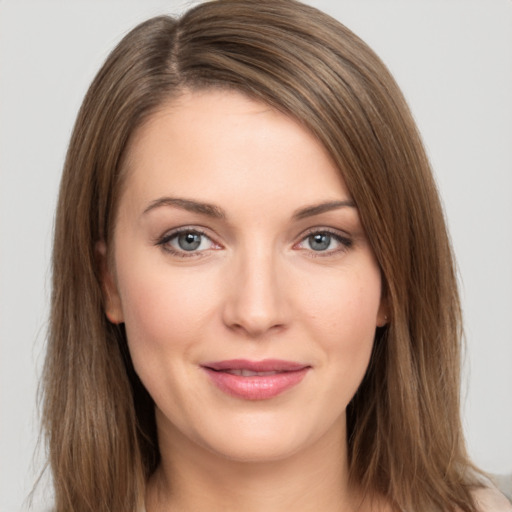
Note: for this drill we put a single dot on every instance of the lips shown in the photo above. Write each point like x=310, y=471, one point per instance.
x=255, y=380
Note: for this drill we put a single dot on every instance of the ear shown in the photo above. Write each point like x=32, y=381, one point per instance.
x=111, y=297
x=383, y=313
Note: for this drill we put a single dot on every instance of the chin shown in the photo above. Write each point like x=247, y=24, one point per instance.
x=264, y=438
x=256, y=449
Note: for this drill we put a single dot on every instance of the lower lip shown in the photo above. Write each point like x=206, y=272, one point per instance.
x=256, y=387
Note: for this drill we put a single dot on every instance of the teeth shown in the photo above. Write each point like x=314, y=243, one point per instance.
x=250, y=373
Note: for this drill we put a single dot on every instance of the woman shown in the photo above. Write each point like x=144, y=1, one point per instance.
x=254, y=303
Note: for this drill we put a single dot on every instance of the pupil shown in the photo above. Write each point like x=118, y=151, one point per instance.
x=320, y=242
x=189, y=241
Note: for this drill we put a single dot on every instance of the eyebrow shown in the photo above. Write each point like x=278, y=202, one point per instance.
x=214, y=211
x=187, y=204
x=310, y=211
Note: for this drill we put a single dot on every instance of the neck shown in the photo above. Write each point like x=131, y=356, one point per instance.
x=191, y=478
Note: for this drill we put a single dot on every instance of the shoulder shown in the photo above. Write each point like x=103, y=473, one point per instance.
x=489, y=499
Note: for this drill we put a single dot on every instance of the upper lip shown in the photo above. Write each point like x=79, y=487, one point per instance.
x=265, y=365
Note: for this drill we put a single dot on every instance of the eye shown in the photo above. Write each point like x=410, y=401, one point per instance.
x=325, y=241
x=320, y=241
x=186, y=242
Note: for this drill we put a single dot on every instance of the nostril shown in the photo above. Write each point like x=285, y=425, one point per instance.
x=252, y=330
x=254, y=302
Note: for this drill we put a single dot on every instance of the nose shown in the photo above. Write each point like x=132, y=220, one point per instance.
x=255, y=301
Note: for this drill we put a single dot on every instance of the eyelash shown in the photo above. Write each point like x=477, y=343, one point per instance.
x=164, y=242
x=345, y=242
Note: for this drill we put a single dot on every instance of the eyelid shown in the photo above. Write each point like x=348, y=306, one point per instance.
x=342, y=237
x=163, y=241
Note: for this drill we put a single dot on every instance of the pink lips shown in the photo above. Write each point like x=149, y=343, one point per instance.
x=255, y=380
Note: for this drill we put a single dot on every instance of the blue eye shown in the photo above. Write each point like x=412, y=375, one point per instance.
x=325, y=242
x=319, y=241
x=186, y=242
x=189, y=241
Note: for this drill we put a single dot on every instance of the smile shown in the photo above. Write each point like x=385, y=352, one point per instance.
x=255, y=380
x=249, y=373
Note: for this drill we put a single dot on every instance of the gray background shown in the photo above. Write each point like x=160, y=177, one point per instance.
x=452, y=58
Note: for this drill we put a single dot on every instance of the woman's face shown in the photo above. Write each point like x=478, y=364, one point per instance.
x=248, y=289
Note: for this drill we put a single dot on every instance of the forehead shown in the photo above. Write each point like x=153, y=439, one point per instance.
x=221, y=145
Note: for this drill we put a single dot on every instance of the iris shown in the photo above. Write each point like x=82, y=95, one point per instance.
x=319, y=241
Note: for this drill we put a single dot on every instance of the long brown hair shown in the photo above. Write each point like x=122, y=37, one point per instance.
x=404, y=432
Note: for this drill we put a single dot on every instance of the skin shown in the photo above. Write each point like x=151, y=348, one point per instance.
x=255, y=288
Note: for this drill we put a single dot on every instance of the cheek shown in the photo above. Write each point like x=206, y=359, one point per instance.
x=347, y=302
x=165, y=312
x=341, y=313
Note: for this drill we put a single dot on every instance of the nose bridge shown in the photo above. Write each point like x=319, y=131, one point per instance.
x=256, y=301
